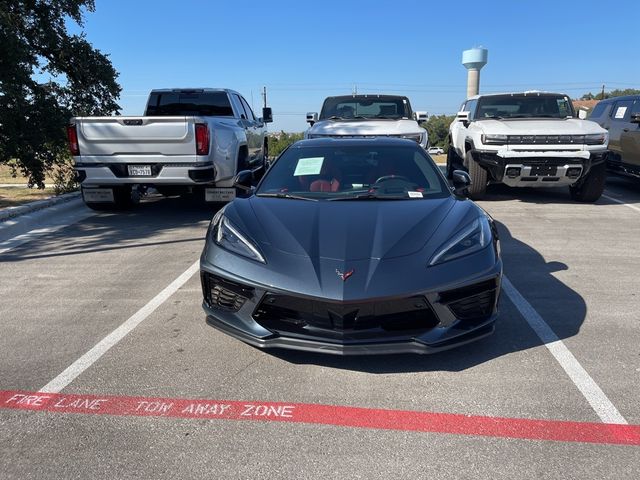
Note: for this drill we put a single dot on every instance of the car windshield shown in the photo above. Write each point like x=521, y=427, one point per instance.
x=354, y=172
x=523, y=106
x=362, y=106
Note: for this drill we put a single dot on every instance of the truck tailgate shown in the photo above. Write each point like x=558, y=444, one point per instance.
x=131, y=136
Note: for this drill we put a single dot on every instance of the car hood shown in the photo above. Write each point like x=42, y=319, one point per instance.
x=365, y=127
x=547, y=126
x=345, y=230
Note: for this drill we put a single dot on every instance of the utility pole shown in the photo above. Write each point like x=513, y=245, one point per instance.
x=355, y=90
x=602, y=94
x=264, y=97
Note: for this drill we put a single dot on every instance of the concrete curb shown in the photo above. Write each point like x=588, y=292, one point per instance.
x=11, y=212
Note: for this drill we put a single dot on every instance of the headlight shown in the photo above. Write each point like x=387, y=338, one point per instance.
x=227, y=235
x=494, y=139
x=474, y=237
x=596, y=139
x=416, y=137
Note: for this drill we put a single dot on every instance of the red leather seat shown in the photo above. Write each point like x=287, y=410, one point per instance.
x=325, y=185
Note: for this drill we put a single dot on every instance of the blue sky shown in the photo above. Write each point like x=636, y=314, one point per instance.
x=305, y=51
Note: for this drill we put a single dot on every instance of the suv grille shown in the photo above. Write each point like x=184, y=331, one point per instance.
x=545, y=139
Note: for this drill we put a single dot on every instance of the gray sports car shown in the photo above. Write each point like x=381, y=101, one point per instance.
x=352, y=246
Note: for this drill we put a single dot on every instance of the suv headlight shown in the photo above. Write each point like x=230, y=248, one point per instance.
x=416, y=137
x=472, y=238
x=494, y=139
x=596, y=138
x=226, y=234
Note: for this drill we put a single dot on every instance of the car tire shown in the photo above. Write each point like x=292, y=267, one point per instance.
x=478, y=175
x=124, y=198
x=591, y=187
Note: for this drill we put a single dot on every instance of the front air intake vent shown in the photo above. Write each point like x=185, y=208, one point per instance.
x=223, y=294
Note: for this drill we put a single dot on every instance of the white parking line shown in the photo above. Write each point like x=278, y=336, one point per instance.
x=89, y=358
x=603, y=407
x=633, y=207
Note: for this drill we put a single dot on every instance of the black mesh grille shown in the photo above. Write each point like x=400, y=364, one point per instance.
x=304, y=317
x=223, y=294
x=472, y=302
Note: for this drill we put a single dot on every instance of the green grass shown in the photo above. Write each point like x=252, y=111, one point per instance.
x=5, y=176
x=18, y=195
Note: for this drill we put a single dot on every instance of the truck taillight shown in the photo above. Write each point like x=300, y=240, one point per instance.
x=72, y=135
x=202, y=139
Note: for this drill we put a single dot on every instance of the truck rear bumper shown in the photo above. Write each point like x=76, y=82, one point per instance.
x=161, y=174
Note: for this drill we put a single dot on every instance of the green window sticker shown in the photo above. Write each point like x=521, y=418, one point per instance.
x=308, y=166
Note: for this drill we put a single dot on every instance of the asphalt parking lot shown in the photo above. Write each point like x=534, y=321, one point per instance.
x=101, y=315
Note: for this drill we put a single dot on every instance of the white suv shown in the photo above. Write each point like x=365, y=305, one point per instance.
x=529, y=139
x=368, y=116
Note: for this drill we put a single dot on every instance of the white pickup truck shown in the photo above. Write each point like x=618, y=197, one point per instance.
x=189, y=140
x=527, y=139
x=367, y=116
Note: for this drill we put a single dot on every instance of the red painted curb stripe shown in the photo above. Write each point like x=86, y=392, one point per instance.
x=373, y=418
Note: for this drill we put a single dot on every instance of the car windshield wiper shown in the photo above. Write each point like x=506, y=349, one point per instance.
x=370, y=196
x=285, y=195
x=492, y=117
x=390, y=117
x=335, y=117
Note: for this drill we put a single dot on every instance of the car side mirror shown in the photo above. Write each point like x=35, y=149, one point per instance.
x=463, y=117
x=267, y=115
x=635, y=118
x=421, y=117
x=243, y=180
x=461, y=181
x=312, y=117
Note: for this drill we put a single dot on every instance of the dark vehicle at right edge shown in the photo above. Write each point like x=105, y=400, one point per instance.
x=528, y=139
x=621, y=117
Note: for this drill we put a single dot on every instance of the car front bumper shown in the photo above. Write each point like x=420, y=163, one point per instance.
x=435, y=321
x=538, y=168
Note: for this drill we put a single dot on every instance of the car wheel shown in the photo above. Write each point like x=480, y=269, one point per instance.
x=478, y=175
x=591, y=187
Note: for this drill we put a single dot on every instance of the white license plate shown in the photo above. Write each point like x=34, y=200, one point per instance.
x=98, y=195
x=219, y=194
x=139, y=170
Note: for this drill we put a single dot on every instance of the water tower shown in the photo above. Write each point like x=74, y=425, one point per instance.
x=473, y=60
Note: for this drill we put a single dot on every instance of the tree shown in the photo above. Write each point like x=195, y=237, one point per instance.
x=613, y=93
x=438, y=128
x=47, y=75
x=278, y=142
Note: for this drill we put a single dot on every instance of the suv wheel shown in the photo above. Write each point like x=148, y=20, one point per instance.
x=590, y=188
x=478, y=175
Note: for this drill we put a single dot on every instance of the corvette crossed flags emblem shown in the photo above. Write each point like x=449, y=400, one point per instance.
x=344, y=276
